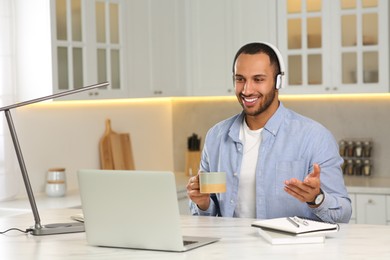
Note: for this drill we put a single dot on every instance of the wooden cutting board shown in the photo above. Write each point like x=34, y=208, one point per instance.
x=115, y=150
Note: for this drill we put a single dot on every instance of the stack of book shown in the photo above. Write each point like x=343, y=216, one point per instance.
x=294, y=230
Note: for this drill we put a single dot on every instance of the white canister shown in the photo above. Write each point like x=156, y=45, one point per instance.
x=56, y=182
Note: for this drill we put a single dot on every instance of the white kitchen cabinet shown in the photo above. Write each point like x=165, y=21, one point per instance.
x=88, y=47
x=371, y=209
x=156, y=44
x=164, y=48
x=338, y=46
x=137, y=46
x=216, y=30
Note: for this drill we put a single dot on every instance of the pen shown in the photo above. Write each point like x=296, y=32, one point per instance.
x=300, y=221
x=293, y=222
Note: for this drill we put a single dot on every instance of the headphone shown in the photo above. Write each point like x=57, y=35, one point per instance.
x=279, y=78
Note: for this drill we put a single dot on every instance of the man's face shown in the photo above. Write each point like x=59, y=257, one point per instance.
x=254, y=82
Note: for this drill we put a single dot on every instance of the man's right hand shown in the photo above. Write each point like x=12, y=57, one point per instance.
x=193, y=192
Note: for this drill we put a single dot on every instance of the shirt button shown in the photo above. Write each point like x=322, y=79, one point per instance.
x=231, y=201
x=235, y=174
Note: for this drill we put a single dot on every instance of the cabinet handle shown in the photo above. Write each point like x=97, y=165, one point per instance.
x=95, y=93
x=335, y=88
x=157, y=92
x=370, y=201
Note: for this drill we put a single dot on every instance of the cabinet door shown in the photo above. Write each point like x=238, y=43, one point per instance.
x=334, y=46
x=209, y=48
x=361, y=46
x=217, y=29
x=156, y=60
x=304, y=44
x=88, y=47
x=370, y=209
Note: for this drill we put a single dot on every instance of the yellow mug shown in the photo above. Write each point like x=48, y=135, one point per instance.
x=212, y=182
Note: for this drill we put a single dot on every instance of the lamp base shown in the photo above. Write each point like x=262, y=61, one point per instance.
x=58, y=228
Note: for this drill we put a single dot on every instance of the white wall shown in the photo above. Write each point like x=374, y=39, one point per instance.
x=67, y=134
x=32, y=49
x=8, y=183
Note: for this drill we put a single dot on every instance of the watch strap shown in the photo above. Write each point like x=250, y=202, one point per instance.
x=313, y=203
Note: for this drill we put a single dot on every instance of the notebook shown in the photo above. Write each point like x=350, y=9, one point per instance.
x=133, y=209
x=282, y=238
x=296, y=226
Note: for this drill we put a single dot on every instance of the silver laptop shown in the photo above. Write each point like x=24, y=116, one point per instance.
x=133, y=209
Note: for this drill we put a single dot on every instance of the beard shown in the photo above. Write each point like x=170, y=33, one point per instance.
x=266, y=101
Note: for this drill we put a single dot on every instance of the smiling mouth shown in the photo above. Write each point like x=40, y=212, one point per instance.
x=248, y=100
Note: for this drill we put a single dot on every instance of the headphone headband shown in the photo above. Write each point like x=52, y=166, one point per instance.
x=279, y=79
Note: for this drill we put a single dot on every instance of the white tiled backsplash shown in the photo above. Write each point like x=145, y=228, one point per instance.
x=62, y=134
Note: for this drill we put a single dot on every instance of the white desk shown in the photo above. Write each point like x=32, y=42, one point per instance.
x=22, y=204
x=239, y=241
x=72, y=200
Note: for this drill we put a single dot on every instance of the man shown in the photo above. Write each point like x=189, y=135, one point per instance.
x=278, y=163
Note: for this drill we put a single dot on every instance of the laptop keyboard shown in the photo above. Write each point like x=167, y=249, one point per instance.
x=187, y=242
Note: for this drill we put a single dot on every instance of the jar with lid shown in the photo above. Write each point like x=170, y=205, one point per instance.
x=357, y=168
x=342, y=147
x=350, y=149
x=366, y=169
x=358, y=149
x=56, y=182
x=349, y=168
x=367, y=146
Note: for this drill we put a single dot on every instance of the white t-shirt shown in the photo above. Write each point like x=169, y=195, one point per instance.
x=246, y=204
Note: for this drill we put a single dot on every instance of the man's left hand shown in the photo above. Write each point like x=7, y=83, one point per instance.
x=307, y=190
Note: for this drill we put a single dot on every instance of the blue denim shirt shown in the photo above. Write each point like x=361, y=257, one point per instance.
x=291, y=144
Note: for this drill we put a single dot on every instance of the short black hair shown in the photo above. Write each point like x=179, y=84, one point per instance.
x=258, y=47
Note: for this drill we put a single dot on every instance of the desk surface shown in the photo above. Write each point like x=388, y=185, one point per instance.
x=238, y=241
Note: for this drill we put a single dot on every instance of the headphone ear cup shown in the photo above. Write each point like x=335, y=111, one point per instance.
x=278, y=84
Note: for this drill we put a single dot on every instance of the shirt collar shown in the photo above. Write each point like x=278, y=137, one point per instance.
x=272, y=126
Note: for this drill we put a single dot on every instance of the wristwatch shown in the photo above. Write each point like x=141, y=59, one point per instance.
x=318, y=199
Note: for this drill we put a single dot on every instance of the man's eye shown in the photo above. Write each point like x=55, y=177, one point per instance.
x=239, y=79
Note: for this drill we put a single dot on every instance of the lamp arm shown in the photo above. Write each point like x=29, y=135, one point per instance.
x=38, y=229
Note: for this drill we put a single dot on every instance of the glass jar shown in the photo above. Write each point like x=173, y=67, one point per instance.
x=350, y=148
x=358, y=149
x=367, y=147
x=366, y=170
x=349, y=168
x=342, y=146
x=56, y=182
x=357, y=168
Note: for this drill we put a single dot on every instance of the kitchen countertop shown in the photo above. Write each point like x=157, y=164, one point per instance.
x=72, y=199
x=22, y=204
x=364, y=184
x=354, y=184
